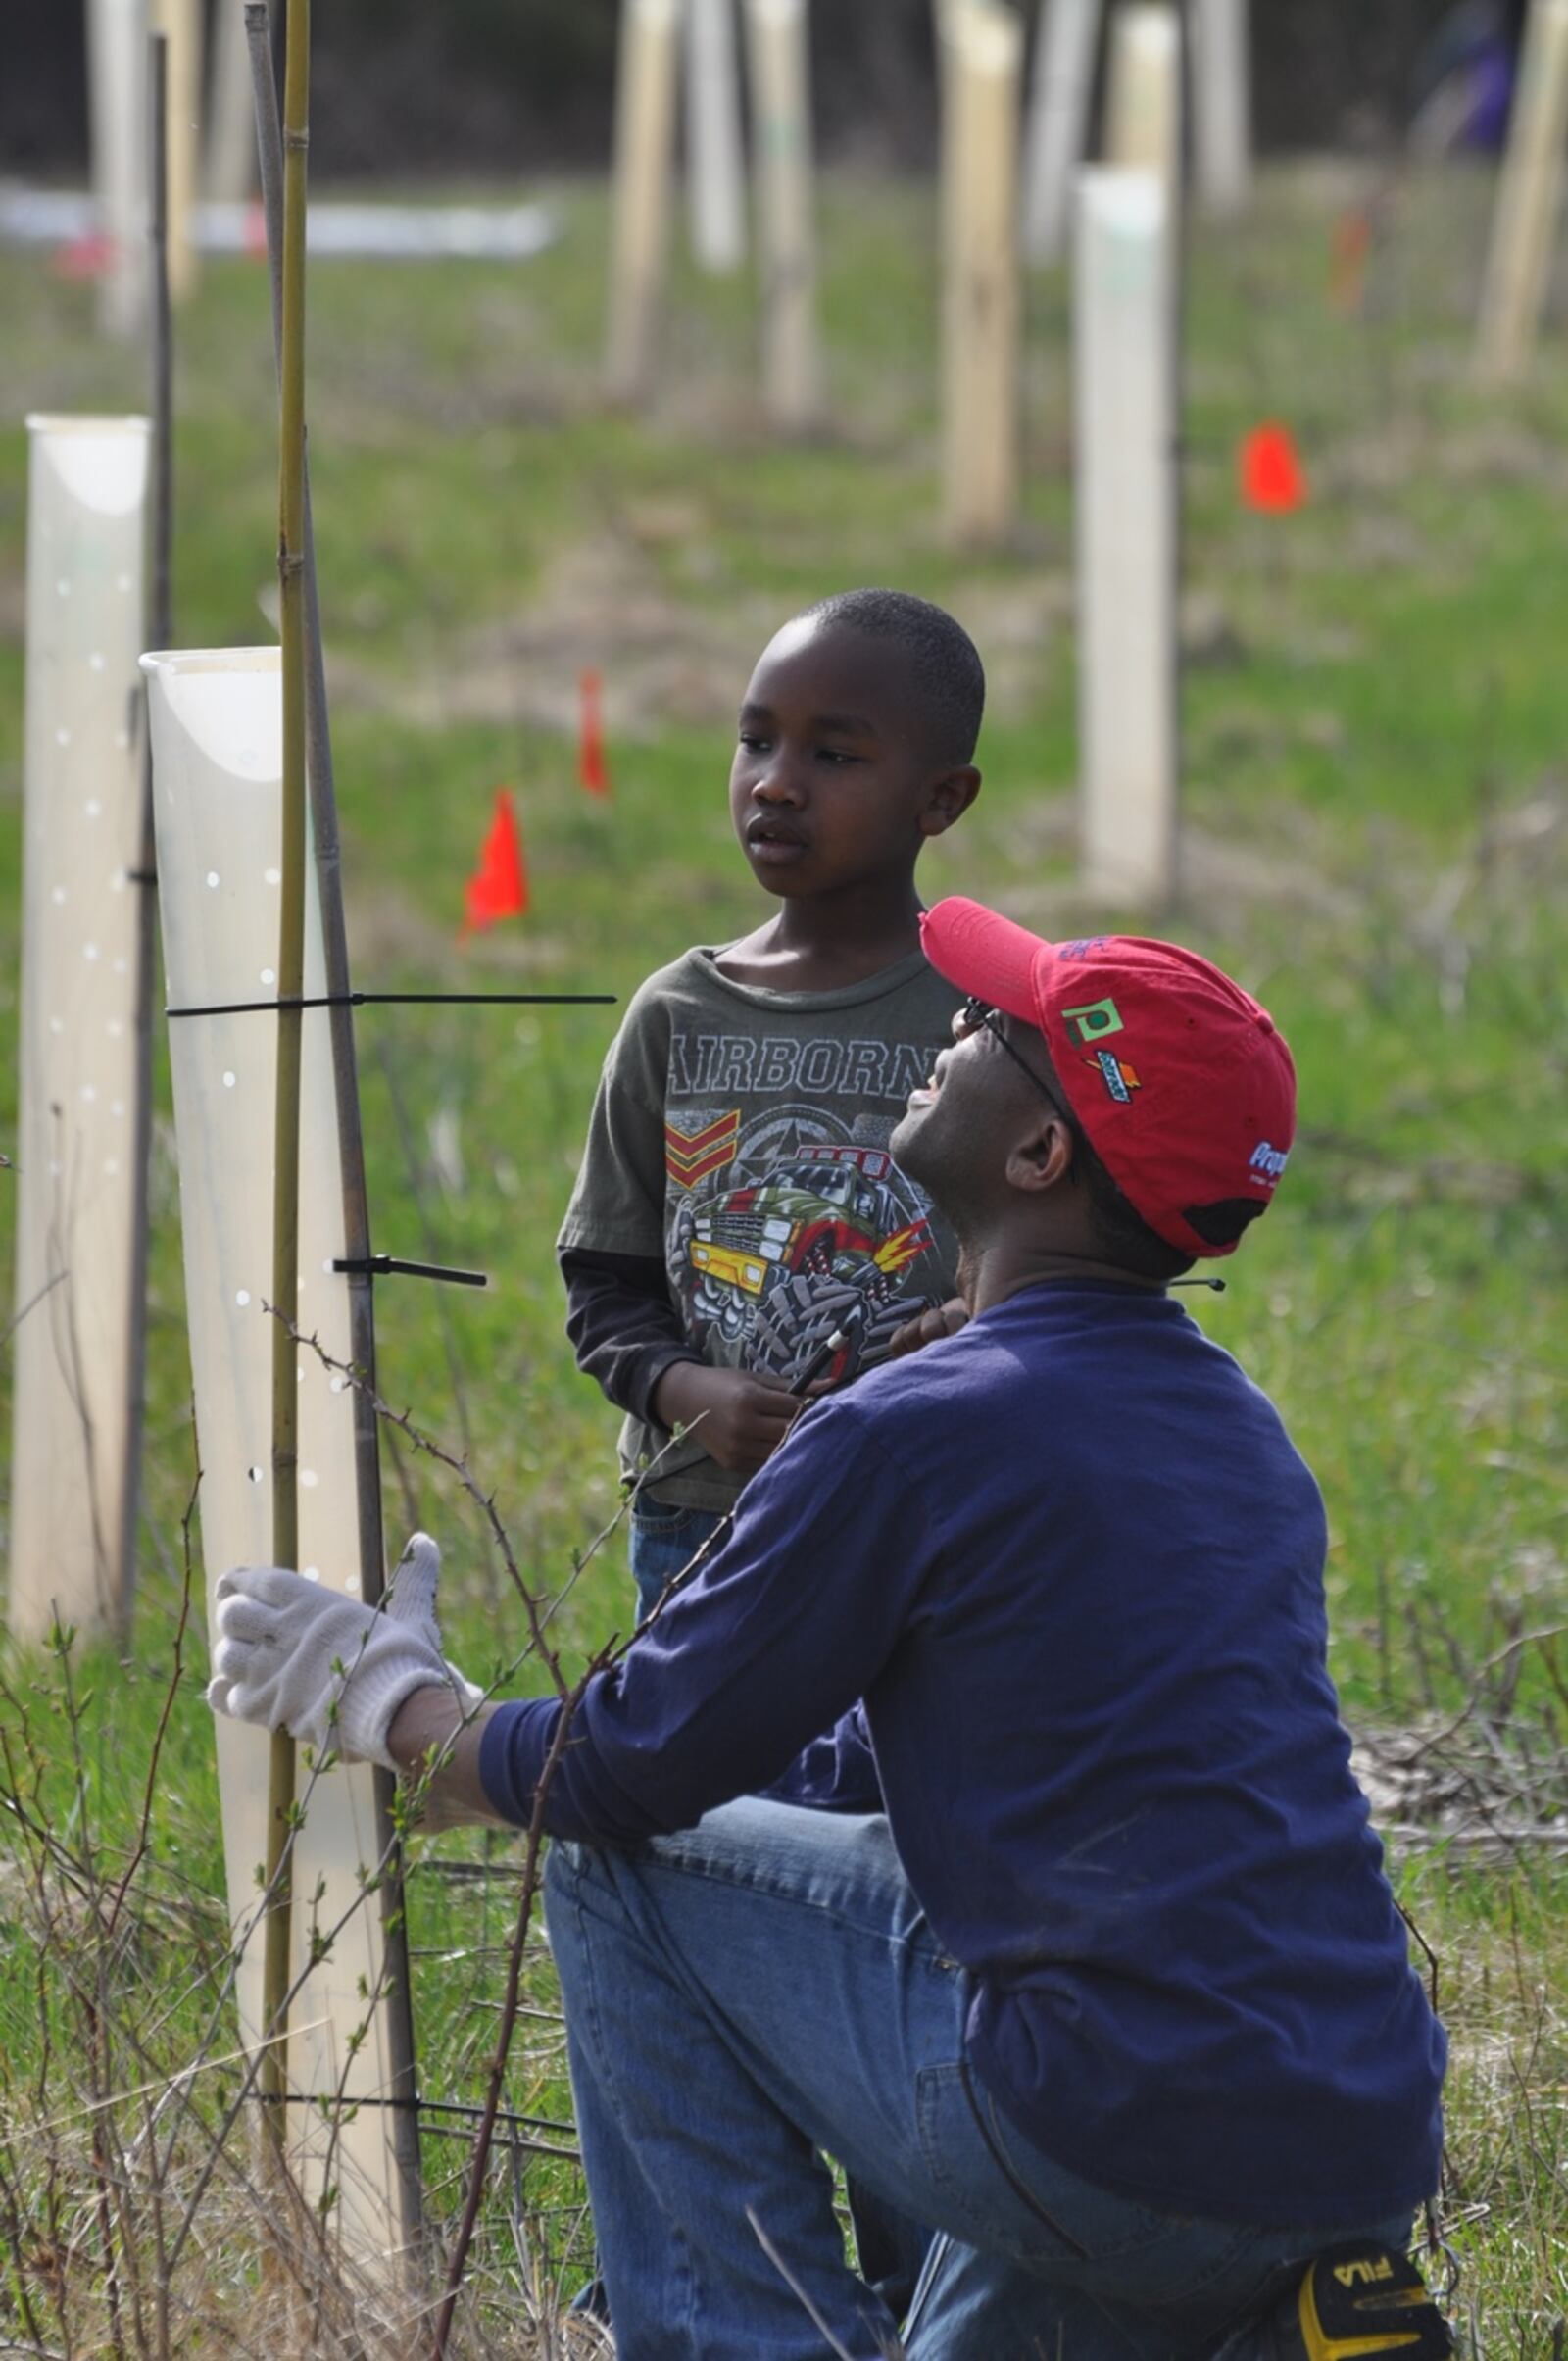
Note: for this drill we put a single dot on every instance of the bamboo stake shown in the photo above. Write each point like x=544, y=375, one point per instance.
x=398, y=2005
x=290, y=986
x=162, y=631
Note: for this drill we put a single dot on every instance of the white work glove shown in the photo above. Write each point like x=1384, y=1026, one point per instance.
x=292, y=1654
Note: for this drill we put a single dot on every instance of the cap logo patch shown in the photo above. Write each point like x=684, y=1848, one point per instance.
x=1268, y=1162
x=1093, y=1022
x=1082, y=947
x=1119, y=1079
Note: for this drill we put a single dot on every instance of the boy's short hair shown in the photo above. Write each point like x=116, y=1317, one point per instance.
x=943, y=658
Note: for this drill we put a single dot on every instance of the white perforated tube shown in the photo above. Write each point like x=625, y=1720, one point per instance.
x=1125, y=500
x=1059, y=120
x=72, y=1483
x=117, y=93
x=714, y=171
x=229, y=164
x=1222, y=115
x=216, y=728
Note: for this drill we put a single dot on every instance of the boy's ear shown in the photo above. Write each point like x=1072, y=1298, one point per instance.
x=948, y=799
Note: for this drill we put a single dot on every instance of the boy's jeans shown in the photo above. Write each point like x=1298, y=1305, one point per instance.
x=758, y=1990
x=664, y=1542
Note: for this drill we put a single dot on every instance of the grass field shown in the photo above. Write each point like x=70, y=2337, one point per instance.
x=1375, y=715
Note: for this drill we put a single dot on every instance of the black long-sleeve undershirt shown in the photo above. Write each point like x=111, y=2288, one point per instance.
x=622, y=1325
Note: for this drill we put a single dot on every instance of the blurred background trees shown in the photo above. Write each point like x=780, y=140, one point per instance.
x=516, y=85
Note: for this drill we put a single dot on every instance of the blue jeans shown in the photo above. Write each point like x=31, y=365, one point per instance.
x=664, y=1542
x=762, y=1991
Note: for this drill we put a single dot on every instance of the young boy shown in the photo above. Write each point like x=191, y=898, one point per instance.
x=737, y=1207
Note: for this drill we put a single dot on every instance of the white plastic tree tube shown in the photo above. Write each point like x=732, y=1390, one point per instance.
x=981, y=85
x=217, y=735
x=229, y=166
x=645, y=132
x=1057, y=137
x=716, y=174
x=1124, y=470
x=781, y=131
x=72, y=1484
x=117, y=93
x=1143, y=105
x=1222, y=121
x=1529, y=202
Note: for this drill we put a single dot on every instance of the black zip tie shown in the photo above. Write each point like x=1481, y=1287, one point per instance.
x=141, y=876
x=423, y=2106
x=381, y=1266
x=509, y=2122
x=403, y=1000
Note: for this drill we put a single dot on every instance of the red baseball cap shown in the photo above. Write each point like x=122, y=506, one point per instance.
x=1182, y=1083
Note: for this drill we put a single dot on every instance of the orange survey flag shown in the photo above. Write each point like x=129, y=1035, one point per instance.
x=591, y=769
x=1273, y=480
x=499, y=886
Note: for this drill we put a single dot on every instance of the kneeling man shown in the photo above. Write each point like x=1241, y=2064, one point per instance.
x=1069, y=1940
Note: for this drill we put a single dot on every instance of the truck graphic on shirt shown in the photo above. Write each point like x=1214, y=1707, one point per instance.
x=825, y=1225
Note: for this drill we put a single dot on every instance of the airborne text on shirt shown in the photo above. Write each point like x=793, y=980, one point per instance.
x=703, y=1063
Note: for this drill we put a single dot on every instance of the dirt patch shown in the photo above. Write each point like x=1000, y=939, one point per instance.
x=666, y=659
x=604, y=602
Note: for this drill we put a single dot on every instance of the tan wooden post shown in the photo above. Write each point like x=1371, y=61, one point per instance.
x=981, y=82
x=781, y=121
x=180, y=23
x=644, y=129
x=1529, y=203
x=1144, y=107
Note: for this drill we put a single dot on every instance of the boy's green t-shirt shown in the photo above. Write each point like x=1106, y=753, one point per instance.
x=740, y=1134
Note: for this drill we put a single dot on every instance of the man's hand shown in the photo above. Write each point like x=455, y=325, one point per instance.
x=293, y=1655
x=743, y=1418
x=929, y=1327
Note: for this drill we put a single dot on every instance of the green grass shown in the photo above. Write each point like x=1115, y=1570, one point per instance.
x=1375, y=717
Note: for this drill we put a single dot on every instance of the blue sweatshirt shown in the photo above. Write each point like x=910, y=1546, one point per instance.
x=1056, y=1589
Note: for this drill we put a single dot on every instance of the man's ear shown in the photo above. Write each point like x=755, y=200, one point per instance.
x=948, y=799
x=1042, y=1157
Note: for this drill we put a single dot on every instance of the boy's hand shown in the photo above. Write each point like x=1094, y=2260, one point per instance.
x=929, y=1327
x=743, y=1418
